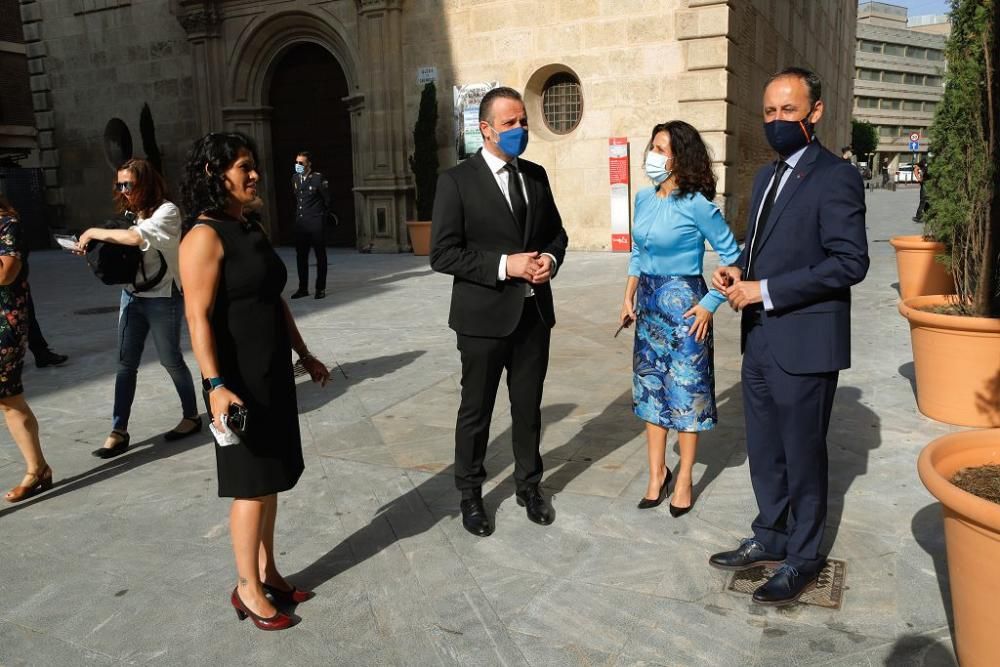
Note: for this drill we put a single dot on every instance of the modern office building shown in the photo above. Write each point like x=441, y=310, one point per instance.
x=900, y=64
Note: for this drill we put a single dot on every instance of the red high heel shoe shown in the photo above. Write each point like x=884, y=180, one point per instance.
x=294, y=596
x=43, y=482
x=280, y=620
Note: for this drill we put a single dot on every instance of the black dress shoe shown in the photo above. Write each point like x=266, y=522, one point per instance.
x=300, y=293
x=174, y=434
x=680, y=511
x=118, y=448
x=749, y=554
x=646, y=503
x=320, y=294
x=537, y=506
x=49, y=358
x=474, y=517
x=785, y=586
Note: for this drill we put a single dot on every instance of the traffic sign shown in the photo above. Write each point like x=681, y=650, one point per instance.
x=914, y=136
x=914, y=146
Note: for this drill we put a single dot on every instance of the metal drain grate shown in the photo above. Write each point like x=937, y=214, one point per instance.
x=828, y=591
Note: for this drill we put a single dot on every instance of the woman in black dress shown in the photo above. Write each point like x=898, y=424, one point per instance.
x=15, y=315
x=242, y=333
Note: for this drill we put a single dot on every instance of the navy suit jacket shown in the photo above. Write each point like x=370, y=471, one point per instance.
x=472, y=226
x=812, y=248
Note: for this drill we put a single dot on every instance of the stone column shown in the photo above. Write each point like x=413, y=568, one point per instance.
x=382, y=179
x=201, y=21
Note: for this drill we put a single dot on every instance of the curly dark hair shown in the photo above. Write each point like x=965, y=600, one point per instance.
x=692, y=167
x=203, y=189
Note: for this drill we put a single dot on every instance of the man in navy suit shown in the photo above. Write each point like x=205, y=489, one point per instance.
x=497, y=230
x=806, y=247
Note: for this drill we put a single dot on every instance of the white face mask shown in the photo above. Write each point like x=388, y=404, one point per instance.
x=656, y=167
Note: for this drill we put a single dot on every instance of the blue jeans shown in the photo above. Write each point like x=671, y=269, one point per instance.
x=138, y=317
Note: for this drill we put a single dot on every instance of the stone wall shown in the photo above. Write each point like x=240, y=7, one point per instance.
x=96, y=60
x=764, y=37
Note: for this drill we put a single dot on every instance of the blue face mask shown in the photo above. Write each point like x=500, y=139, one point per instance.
x=788, y=136
x=513, y=141
x=300, y=168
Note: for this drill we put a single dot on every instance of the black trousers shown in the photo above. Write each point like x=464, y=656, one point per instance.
x=787, y=418
x=304, y=242
x=525, y=356
x=36, y=341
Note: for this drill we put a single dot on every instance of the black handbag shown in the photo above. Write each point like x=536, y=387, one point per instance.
x=117, y=264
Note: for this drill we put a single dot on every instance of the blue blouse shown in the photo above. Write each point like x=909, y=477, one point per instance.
x=668, y=237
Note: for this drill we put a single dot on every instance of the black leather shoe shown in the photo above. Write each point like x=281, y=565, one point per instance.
x=174, y=434
x=320, y=294
x=785, y=586
x=537, y=506
x=300, y=293
x=49, y=358
x=474, y=517
x=119, y=447
x=646, y=503
x=749, y=554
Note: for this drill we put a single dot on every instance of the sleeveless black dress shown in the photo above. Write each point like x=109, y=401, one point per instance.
x=255, y=362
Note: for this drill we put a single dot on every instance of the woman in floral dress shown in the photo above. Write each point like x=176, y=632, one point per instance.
x=14, y=307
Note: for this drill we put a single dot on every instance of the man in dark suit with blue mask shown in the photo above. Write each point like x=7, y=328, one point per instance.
x=806, y=246
x=497, y=230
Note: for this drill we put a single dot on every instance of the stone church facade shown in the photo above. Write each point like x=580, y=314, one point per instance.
x=341, y=78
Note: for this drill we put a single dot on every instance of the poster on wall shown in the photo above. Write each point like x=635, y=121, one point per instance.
x=621, y=239
x=468, y=139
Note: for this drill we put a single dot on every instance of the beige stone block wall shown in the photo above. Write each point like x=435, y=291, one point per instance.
x=624, y=52
x=765, y=37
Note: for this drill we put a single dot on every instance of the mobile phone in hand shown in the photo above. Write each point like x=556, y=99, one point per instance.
x=236, y=419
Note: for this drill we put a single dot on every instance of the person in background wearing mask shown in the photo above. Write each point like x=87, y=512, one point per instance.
x=806, y=247
x=312, y=205
x=496, y=229
x=673, y=385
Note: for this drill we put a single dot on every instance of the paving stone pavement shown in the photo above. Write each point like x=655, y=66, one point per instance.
x=128, y=561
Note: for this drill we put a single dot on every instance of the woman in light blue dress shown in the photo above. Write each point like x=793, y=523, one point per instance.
x=673, y=383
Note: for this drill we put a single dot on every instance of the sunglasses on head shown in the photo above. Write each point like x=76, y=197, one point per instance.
x=124, y=186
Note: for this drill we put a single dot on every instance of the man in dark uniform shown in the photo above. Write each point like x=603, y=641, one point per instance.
x=312, y=202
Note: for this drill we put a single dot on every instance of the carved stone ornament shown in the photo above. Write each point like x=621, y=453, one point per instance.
x=202, y=20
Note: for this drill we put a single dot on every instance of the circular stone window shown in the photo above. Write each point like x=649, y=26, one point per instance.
x=562, y=103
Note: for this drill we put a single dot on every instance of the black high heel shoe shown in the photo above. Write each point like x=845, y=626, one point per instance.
x=681, y=511
x=646, y=503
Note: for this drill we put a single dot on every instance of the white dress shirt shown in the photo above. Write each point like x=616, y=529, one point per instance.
x=791, y=161
x=502, y=176
x=160, y=231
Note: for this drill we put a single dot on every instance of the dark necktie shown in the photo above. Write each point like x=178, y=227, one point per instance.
x=517, y=203
x=765, y=211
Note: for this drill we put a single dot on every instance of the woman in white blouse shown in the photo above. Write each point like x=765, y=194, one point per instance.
x=156, y=309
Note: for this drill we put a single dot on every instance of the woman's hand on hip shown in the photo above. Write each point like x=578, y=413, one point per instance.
x=702, y=321
x=219, y=400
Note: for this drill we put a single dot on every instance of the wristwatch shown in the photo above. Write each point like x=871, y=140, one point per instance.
x=208, y=384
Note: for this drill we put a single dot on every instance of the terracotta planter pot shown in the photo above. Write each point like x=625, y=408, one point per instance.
x=957, y=363
x=420, y=236
x=972, y=539
x=919, y=273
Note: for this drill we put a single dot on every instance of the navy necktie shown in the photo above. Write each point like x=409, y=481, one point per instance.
x=765, y=211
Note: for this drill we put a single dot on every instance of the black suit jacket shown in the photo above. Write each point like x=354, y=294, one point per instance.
x=472, y=226
x=812, y=248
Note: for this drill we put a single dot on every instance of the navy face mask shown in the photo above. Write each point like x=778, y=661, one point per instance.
x=788, y=136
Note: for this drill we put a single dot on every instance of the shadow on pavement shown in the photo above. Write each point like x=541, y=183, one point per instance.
x=311, y=396
x=920, y=651
x=928, y=530
x=908, y=372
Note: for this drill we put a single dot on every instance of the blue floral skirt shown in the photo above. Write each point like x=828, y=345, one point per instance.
x=673, y=382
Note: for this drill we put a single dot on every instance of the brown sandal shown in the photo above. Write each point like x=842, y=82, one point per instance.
x=43, y=482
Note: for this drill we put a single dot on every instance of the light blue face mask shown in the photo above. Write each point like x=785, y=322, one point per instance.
x=656, y=167
x=513, y=141
x=300, y=168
